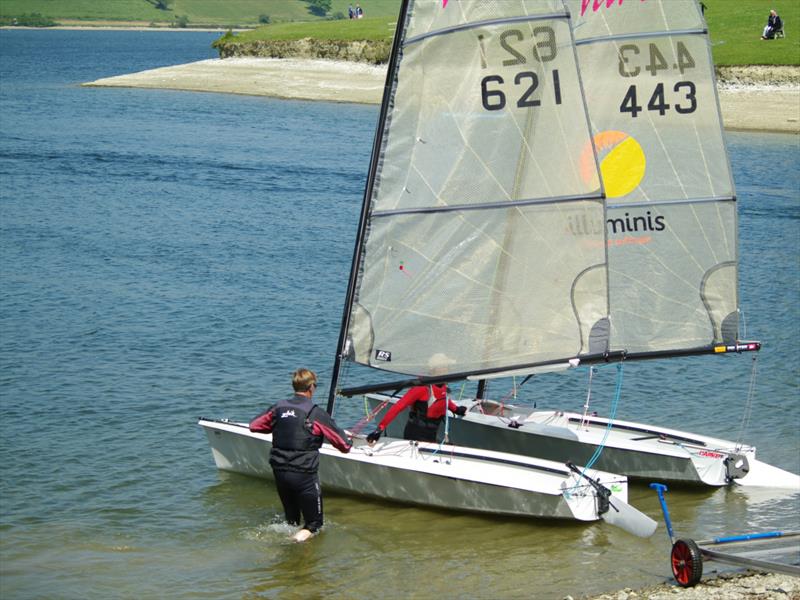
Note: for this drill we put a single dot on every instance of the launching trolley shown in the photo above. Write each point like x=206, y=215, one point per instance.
x=774, y=551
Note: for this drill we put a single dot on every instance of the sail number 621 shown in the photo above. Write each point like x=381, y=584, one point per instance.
x=494, y=90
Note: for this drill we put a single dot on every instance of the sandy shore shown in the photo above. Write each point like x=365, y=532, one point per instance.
x=299, y=79
x=744, y=107
x=727, y=586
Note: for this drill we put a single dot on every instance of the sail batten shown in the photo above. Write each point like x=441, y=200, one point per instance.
x=635, y=36
x=483, y=206
x=488, y=22
x=666, y=201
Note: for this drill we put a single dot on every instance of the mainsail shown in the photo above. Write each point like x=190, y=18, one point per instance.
x=671, y=224
x=468, y=260
x=549, y=182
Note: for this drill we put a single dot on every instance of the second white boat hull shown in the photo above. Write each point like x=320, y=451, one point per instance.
x=636, y=450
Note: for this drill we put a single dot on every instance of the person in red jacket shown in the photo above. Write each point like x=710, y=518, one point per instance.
x=298, y=428
x=427, y=405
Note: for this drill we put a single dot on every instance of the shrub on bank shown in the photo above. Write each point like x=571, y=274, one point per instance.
x=28, y=20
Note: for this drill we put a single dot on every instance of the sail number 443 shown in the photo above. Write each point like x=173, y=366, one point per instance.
x=632, y=61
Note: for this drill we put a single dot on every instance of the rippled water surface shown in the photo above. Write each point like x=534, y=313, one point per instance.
x=166, y=255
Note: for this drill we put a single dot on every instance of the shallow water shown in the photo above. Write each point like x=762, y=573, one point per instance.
x=166, y=255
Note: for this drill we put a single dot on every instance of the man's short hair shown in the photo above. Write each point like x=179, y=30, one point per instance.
x=303, y=379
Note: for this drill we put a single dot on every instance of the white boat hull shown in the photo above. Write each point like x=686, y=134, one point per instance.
x=635, y=450
x=430, y=475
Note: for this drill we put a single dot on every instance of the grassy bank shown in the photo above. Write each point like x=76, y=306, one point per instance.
x=735, y=27
x=369, y=28
x=363, y=40
x=198, y=13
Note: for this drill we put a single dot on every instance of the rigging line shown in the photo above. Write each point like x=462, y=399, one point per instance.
x=744, y=322
x=368, y=416
x=584, y=419
x=344, y=371
x=389, y=91
x=748, y=408
x=599, y=450
x=587, y=117
x=614, y=405
x=502, y=401
x=446, y=415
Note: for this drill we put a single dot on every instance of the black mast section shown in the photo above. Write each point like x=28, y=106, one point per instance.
x=377, y=145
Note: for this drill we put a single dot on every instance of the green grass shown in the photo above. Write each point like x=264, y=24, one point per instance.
x=368, y=28
x=224, y=13
x=736, y=25
x=110, y=10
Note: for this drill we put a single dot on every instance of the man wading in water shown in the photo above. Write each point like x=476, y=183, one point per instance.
x=298, y=428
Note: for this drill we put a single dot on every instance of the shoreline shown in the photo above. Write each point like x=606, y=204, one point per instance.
x=745, y=106
x=747, y=585
x=131, y=26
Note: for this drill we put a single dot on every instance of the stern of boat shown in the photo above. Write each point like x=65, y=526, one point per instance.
x=583, y=499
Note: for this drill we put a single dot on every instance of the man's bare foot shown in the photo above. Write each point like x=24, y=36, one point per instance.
x=302, y=535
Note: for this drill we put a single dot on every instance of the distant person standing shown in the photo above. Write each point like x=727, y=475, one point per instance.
x=350, y=12
x=298, y=428
x=774, y=24
x=359, y=11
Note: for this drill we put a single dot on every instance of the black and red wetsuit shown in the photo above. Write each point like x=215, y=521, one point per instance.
x=425, y=414
x=298, y=428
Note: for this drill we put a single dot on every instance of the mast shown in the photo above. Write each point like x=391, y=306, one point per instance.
x=373, y=168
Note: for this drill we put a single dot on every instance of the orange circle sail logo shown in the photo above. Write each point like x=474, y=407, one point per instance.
x=622, y=163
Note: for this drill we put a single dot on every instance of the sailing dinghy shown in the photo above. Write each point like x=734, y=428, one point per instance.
x=640, y=451
x=445, y=476
x=444, y=118
x=550, y=186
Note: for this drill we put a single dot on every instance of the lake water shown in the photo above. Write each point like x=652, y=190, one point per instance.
x=166, y=255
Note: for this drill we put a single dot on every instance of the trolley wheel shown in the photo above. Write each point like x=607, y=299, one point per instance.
x=687, y=563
